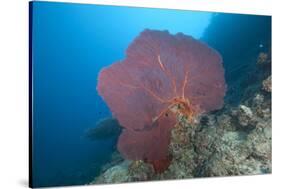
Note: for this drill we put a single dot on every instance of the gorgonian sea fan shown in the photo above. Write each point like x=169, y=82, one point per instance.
x=162, y=76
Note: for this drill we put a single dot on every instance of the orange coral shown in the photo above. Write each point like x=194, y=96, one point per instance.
x=162, y=76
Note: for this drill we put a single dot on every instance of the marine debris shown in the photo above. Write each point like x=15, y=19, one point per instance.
x=162, y=78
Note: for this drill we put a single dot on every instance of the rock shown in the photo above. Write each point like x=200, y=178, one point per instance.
x=115, y=159
x=266, y=84
x=263, y=58
x=235, y=141
x=115, y=174
x=245, y=115
x=258, y=100
x=259, y=141
x=140, y=171
x=224, y=122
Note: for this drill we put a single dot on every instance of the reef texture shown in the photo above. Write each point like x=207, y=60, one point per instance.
x=235, y=140
x=162, y=77
x=266, y=84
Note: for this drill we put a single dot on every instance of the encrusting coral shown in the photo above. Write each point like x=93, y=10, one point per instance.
x=163, y=77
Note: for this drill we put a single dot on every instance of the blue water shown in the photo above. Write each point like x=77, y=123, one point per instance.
x=71, y=43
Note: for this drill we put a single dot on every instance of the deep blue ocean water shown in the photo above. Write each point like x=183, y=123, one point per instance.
x=71, y=43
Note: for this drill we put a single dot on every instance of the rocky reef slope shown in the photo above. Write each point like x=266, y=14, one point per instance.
x=235, y=140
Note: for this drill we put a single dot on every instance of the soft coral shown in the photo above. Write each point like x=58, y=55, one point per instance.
x=162, y=76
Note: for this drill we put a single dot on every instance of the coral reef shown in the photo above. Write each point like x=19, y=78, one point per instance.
x=235, y=140
x=266, y=84
x=140, y=171
x=115, y=159
x=163, y=76
x=263, y=58
x=245, y=115
x=126, y=171
x=115, y=174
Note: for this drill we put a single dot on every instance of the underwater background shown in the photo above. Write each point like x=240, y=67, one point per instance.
x=71, y=43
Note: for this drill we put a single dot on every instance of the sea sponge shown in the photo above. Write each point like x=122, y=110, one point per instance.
x=162, y=76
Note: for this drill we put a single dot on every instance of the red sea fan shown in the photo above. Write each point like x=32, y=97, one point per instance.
x=162, y=76
x=150, y=144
